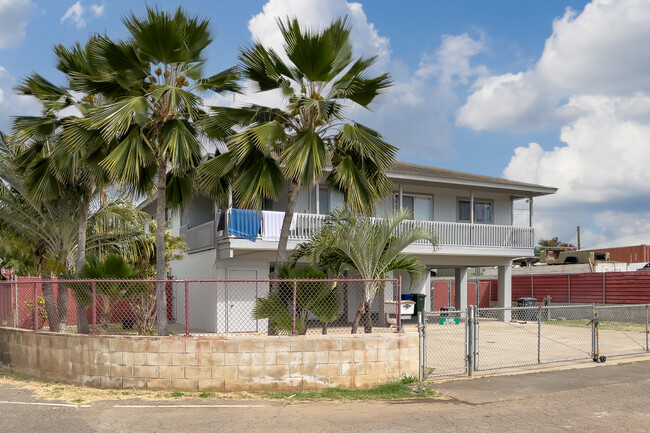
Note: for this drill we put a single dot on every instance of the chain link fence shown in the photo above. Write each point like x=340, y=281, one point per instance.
x=444, y=337
x=280, y=307
x=481, y=339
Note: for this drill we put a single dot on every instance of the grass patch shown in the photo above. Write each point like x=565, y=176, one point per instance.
x=603, y=326
x=406, y=388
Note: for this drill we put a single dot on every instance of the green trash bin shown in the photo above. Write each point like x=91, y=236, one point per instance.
x=420, y=299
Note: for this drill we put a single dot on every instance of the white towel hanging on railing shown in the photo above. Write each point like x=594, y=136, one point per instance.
x=272, y=225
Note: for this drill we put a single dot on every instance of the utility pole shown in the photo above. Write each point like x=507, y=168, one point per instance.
x=578, y=230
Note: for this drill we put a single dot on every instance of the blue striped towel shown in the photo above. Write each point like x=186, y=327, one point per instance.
x=245, y=223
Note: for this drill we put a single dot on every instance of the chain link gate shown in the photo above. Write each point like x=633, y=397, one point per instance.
x=480, y=339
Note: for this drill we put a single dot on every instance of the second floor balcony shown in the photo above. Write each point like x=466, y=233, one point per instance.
x=457, y=236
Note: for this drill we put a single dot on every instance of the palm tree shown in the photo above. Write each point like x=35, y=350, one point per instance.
x=49, y=164
x=150, y=81
x=293, y=145
x=49, y=227
x=371, y=247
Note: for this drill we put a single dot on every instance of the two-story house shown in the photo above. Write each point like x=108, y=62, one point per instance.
x=471, y=216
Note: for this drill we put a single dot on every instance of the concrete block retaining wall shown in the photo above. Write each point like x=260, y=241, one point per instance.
x=258, y=363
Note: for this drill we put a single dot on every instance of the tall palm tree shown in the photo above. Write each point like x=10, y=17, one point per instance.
x=150, y=82
x=319, y=80
x=371, y=247
x=50, y=228
x=49, y=164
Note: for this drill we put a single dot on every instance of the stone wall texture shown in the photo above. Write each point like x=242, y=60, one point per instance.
x=221, y=364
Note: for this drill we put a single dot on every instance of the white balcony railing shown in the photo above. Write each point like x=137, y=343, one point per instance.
x=447, y=233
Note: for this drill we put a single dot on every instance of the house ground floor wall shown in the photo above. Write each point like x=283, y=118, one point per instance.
x=226, y=307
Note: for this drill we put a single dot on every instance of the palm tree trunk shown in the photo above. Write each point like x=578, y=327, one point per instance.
x=281, y=256
x=82, y=317
x=50, y=303
x=357, y=318
x=62, y=297
x=161, y=219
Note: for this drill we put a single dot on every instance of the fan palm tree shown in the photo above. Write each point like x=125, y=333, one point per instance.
x=150, y=81
x=50, y=227
x=49, y=164
x=275, y=147
x=371, y=247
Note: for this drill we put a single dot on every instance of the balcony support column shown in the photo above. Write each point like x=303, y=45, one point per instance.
x=505, y=290
x=471, y=207
x=530, y=212
x=461, y=288
x=401, y=195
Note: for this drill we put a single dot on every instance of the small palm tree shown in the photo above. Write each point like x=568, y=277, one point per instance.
x=150, y=82
x=371, y=247
x=319, y=298
x=319, y=80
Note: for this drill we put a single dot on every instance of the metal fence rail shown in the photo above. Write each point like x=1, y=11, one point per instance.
x=288, y=307
x=480, y=339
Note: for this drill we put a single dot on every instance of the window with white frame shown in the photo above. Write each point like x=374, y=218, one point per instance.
x=420, y=206
x=483, y=211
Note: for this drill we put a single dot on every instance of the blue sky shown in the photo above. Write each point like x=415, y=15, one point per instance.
x=553, y=92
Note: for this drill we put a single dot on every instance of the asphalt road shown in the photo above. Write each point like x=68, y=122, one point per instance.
x=607, y=398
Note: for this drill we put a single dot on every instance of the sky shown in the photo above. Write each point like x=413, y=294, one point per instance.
x=553, y=92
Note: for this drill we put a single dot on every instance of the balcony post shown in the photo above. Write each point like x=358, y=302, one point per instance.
x=401, y=195
x=504, y=299
x=461, y=289
x=471, y=207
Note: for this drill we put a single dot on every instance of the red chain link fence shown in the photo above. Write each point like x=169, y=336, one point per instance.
x=194, y=307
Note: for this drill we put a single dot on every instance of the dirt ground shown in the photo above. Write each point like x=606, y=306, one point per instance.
x=600, y=398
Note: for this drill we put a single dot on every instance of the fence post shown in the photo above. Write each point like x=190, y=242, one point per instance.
x=470, y=340
x=94, y=290
x=187, y=308
x=422, y=346
x=539, y=334
x=398, y=316
x=293, y=314
x=35, y=308
x=16, y=311
x=646, y=328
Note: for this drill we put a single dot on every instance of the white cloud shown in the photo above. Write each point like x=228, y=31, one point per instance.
x=12, y=104
x=318, y=14
x=414, y=114
x=601, y=50
x=14, y=15
x=98, y=10
x=75, y=13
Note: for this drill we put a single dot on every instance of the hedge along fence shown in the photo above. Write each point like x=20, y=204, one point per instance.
x=261, y=363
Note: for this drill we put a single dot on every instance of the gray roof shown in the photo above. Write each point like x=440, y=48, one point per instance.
x=450, y=178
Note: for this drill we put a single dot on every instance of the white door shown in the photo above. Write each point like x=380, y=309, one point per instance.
x=240, y=299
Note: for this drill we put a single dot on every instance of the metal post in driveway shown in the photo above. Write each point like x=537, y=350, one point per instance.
x=470, y=340
x=422, y=354
x=539, y=334
x=646, y=328
x=398, y=316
